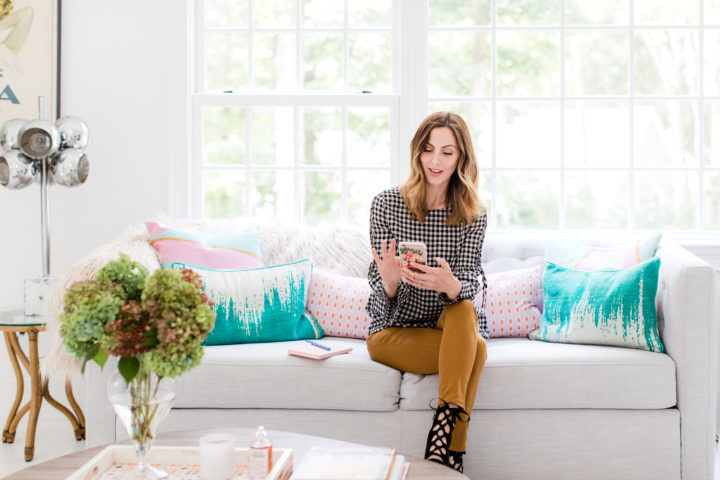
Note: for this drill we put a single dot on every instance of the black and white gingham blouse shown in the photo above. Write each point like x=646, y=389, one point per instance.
x=459, y=245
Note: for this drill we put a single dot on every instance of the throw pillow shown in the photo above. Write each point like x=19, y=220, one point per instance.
x=259, y=305
x=338, y=303
x=602, y=307
x=239, y=250
x=588, y=258
x=514, y=301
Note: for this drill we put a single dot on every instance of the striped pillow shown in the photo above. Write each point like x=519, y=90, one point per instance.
x=238, y=250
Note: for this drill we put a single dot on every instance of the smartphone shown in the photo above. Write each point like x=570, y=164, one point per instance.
x=412, y=252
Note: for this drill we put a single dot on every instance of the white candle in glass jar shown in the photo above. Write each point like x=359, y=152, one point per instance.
x=217, y=456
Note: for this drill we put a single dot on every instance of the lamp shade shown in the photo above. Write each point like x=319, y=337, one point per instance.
x=39, y=139
x=73, y=132
x=70, y=168
x=16, y=170
x=9, y=134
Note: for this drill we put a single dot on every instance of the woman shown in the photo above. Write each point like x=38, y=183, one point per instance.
x=424, y=320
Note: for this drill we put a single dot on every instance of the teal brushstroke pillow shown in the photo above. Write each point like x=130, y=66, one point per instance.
x=602, y=308
x=259, y=305
x=588, y=258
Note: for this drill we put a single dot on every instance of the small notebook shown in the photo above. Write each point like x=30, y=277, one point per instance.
x=361, y=463
x=308, y=350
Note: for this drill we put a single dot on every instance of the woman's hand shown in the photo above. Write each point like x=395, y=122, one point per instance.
x=389, y=267
x=440, y=279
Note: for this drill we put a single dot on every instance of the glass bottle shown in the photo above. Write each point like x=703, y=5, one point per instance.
x=260, y=455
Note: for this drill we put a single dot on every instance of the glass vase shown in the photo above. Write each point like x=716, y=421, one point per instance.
x=141, y=406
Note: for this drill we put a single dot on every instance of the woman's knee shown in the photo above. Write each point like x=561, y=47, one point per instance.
x=481, y=355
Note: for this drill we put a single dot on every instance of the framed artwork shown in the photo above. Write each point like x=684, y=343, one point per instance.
x=29, y=58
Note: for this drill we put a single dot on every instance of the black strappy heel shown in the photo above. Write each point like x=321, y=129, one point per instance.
x=440, y=434
x=456, y=460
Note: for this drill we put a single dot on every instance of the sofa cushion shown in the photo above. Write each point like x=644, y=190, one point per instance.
x=266, y=376
x=523, y=374
x=514, y=301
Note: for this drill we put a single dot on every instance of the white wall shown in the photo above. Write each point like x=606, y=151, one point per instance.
x=113, y=76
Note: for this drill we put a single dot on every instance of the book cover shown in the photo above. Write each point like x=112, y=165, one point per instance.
x=308, y=350
x=362, y=463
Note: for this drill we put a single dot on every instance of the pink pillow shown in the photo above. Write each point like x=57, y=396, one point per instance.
x=338, y=304
x=229, y=251
x=514, y=301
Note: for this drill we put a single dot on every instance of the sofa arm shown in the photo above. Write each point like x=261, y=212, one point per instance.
x=688, y=328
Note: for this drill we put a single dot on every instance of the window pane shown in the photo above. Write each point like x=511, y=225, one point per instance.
x=666, y=200
x=665, y=12
x=711, y=12
x=322, y=135
x=226, y=59
x=712, y=62
x=459, y=64
x=368, y=136
x=226, y=13
x=274, y=13
x=711, y=151
x=596, y=62
x=528, y=63
x=451, y=13
x=322, y=197
x=478, y=117
x=520, y=143
x=369, y=13
x=272, y=194
x=223, y=135
x=323, y=57
x=322, y=13
x=665, y=134
x=274, y=61
x=362, y=186
x=596, y=199
x=711, y=201
x=605, y=12
x=271, y=136
x=485, y=190
x=526, y=12
x=527, y=199
x=224, y=192
x=597, y=134
x=369, y=62
x=666, y=62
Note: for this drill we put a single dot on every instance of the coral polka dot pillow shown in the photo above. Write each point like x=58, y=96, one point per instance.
x=338, y=304
x=514, y=302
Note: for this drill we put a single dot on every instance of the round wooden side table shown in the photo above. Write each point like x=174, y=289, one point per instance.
x=39, y=389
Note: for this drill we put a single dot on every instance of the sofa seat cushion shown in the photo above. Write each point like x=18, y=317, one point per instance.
x=526, y=374
x=264, y=375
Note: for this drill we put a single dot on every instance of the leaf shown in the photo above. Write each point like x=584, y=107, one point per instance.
x=89, y=356
x=151, y=340
x=101, y=357
x=129, y=367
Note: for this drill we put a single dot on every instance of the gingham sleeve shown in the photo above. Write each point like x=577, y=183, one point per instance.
x=467, y=267
x=379, y=305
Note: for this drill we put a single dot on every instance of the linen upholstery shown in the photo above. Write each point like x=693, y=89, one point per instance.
x=524, y=374
x=343, y=382
x=555, y=442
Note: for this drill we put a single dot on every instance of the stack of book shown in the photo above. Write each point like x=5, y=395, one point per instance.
x=362, y=463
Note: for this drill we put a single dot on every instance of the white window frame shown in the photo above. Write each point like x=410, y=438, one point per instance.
x=408, y=102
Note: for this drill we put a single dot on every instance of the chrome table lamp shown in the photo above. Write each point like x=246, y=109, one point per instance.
x=49, y=153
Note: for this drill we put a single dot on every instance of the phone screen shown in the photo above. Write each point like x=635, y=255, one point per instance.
x=412, y=252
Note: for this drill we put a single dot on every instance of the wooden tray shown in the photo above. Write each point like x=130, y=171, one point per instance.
x=117, y=462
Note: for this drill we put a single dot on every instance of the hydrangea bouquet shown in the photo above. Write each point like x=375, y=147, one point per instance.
x=154, y=323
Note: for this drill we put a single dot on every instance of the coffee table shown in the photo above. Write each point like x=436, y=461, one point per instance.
x=61, y=467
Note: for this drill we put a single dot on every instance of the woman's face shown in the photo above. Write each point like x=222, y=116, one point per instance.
x=440, y=157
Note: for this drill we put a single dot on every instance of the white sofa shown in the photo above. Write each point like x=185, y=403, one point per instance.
x=543, y=410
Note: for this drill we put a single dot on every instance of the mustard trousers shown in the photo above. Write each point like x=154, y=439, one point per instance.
x=454, y=349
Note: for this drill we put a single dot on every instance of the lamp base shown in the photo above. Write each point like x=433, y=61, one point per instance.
x=36, y=291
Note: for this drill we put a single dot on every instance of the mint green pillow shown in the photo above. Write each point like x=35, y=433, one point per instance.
x=259, y=305
x=589, y=258
x=602, y=308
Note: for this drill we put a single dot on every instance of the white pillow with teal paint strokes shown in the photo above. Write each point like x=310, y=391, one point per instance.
x=259, y=305
x=607, y=307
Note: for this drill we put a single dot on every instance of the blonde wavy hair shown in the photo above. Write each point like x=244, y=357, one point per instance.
x=462, y=198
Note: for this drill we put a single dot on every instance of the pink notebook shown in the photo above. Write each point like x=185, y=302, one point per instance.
x=311, y=351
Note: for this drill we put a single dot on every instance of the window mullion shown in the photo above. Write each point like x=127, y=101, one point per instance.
x=562, y=223
x=631, y=126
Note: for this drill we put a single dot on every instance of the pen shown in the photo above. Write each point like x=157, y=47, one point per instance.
x=318, y=345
